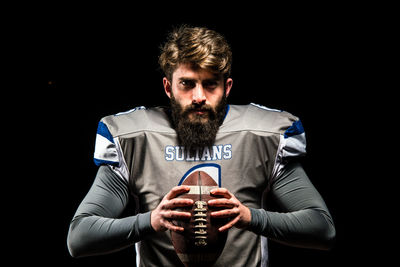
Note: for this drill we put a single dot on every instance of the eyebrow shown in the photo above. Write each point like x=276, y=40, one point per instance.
x=213, y=79
x=186, y=79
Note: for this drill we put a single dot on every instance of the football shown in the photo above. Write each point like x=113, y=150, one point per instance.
x=201, y=243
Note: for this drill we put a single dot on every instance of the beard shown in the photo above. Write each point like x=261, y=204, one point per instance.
x=194, y=130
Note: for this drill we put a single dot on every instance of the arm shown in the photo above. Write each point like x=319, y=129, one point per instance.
x=304, y=221
x=96, y=228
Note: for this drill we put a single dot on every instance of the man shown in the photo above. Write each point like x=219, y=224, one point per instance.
x=250, y=151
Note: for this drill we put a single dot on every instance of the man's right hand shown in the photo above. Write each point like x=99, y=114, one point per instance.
x=165, y=212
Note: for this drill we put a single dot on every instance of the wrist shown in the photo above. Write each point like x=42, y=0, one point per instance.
x=257, y=221
x=246, y=217
x=153, y=221
x=145, y=222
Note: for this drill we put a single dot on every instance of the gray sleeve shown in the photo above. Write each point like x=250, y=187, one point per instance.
x=304, y=220
x=96, y=227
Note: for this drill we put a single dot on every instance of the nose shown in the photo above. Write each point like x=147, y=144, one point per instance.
x=199, y=96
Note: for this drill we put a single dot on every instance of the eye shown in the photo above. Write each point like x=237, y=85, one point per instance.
x=210, y=85
x=187, y=84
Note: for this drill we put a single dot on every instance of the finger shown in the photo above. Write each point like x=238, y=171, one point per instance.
x=171, y=214
x=177, y=190
x=177, y=203
x=221, y=192
x=225, y=213
x=167, y=224
x=222, y=202
x=229, y=225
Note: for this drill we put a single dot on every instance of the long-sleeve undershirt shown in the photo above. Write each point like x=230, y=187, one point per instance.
x=303, y=219
x=97, y=229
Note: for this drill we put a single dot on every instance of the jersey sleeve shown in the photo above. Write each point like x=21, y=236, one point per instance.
x=292, y=144
x=105, y=149
x=108, y=151
x=294, y=140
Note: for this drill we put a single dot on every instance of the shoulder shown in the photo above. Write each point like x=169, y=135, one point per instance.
x=111, y=129
x=260, y=118
x=136, y=120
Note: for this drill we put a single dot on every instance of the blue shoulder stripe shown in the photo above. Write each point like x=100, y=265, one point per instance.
x=103, y=131
x=295, y=129
x=100, y=162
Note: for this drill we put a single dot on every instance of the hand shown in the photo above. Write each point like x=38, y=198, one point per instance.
x=162, y=215
x=239, y=213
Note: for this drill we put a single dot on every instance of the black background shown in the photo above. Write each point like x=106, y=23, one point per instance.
x=317, y=62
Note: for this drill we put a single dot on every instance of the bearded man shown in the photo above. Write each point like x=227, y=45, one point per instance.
x=250, y=151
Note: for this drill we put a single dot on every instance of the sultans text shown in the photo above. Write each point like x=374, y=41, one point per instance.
x=216, y=152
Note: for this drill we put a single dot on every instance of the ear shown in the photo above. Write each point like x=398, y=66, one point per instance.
x=228, y=86
x=167, y=86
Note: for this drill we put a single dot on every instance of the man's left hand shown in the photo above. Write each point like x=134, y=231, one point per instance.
x=240, y=214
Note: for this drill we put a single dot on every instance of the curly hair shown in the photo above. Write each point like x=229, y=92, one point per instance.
x=199, y=46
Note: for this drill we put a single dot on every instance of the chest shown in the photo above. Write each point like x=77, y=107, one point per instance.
x=240, y=161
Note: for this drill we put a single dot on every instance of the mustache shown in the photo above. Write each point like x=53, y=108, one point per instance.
x=197, y=107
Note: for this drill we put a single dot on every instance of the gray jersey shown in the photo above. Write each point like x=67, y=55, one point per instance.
x=251, y=149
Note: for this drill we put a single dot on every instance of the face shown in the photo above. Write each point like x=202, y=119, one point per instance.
x=198, y=89
x=198, y=104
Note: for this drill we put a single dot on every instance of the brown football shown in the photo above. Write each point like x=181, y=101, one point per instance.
x=201, y=243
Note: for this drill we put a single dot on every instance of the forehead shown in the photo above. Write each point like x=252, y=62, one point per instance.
x=188, y=71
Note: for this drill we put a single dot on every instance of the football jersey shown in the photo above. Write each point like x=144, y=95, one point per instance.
x=250, y=150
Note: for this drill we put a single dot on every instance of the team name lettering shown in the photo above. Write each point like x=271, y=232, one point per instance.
x=178, y=153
